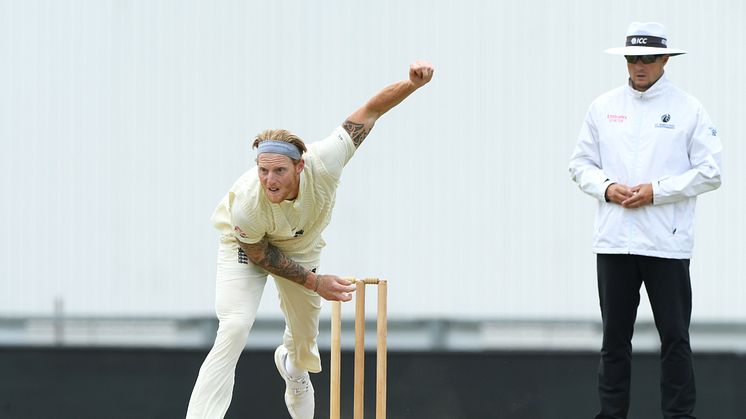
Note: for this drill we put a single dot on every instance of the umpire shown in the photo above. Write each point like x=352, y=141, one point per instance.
x=646, y=150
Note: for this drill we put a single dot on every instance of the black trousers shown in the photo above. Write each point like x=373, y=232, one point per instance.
x=669, y=288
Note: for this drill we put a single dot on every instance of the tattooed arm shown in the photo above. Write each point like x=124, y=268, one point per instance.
x=359, y=124
x=272, y=260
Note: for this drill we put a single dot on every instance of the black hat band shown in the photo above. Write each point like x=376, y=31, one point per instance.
x=646, y=41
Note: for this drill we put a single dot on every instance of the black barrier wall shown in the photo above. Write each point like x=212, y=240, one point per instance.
x=77, y=383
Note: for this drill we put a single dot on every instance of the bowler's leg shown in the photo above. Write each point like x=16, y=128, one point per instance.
x=669, y=288
x=301, y=307
x=299, y=353
x=238, y=292
x=619, y=295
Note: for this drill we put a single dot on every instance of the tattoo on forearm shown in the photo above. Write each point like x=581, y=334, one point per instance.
x=357, y=132
x=274, y=261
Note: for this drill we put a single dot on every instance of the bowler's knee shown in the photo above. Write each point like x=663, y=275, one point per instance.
x=235, y=328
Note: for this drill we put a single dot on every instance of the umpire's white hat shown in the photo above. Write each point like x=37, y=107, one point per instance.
x=648, y=38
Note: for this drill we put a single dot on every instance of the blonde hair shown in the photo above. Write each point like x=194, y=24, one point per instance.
x=279, y=135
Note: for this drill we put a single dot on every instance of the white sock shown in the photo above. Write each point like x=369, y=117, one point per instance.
x=292, y=370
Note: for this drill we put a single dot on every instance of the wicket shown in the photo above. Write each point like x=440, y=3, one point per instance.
x=335, y=369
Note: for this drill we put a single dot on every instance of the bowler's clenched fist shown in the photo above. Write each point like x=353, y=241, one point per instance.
x=420, y=72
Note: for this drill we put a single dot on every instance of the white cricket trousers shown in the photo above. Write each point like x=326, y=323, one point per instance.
x=239, y=287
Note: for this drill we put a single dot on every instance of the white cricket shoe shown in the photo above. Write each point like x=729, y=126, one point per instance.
x=298, y=390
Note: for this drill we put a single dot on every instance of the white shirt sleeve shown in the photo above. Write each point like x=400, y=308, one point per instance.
x=248, y=226
x=585, y=162
x=334, y=151
x=704, y=151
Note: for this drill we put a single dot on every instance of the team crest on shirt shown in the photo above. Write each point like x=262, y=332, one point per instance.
x=664, y=122
x=239, y=231
x=713, y=131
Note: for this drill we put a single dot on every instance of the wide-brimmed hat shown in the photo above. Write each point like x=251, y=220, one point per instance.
x=645, y=38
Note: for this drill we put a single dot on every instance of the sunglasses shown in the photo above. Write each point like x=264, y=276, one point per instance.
x=646, y=59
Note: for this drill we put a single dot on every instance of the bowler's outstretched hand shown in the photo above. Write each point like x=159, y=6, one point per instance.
x=334, y=288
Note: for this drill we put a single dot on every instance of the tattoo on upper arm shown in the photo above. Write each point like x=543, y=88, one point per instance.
x=357, y=132
x=273, y=260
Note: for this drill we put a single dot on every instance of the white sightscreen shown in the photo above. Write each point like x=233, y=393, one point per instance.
x=122, y=124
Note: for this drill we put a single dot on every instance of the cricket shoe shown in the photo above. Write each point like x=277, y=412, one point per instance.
x=298, y=390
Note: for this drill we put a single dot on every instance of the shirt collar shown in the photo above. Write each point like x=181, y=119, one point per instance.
x=655, y=90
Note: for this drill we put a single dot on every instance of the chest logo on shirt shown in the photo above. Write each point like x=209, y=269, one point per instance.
x=713, y=131
x=616, y=118
x=664, y=119
x=298, y=233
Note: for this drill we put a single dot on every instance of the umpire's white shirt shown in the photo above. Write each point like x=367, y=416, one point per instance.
x=662, y=136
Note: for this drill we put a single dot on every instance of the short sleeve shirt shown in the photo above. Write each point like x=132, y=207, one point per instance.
x=293, y=226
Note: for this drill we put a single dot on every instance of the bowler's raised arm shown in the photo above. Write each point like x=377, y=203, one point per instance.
x=360, y=122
